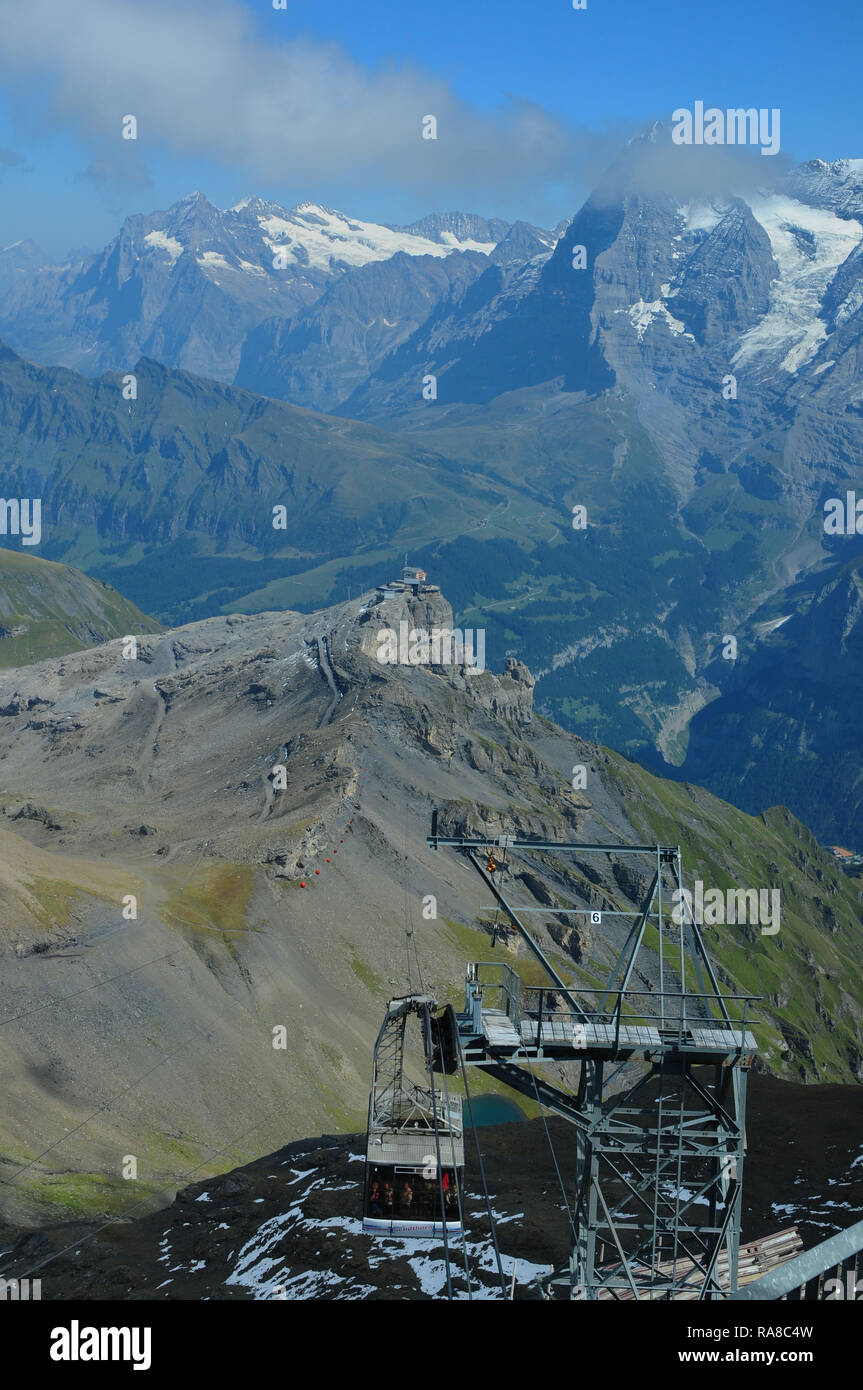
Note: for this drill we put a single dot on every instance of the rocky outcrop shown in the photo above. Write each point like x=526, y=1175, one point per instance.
x=274, y=839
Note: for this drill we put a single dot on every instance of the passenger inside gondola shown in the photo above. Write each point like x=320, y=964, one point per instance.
x=429, y=1193
x=407, y=1195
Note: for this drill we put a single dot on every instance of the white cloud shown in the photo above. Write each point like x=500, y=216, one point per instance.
x=204, y=83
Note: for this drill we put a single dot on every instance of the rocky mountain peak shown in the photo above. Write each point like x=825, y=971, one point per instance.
x=265, y=785
x=522, y=242
x=460, y=227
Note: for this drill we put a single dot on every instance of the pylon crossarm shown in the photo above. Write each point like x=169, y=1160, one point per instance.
x=510, y=842
x=532, y=945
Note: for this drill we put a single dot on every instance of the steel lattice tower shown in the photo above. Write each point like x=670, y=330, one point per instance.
x=660, y=1108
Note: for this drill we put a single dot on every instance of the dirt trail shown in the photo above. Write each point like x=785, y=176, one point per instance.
x=164, y=657
x=322, y=646
x=324, y=660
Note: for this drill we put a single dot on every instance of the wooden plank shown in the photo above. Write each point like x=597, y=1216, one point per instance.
x=722, y=1037
x=756, y=1258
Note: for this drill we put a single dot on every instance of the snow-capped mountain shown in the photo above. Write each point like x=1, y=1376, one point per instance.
x=838, y=185
x=807, y=245
x=325, y=240
x=688, y=369
x=674, y=297
x=186, y=285
x=324, y=352
x=466, y=231
x=333, y=347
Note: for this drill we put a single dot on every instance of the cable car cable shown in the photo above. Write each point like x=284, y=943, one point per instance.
x=61, y=999
x=481, y=1165
x=458, y=1189
x=407, y=921
x=145, y=1201
x=437, y=1154
x=553, y=1153
x=409, y=933
x=106, y=1105
x=86, y=989
x=491, y=868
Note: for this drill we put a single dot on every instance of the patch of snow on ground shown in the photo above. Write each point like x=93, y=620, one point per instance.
x=431, y=1274
x=213, y=258
x=431, y=1271
x=313, y=1282
x=765, y=629
x=450, y=239
x=683, y=1195
x=642, y=315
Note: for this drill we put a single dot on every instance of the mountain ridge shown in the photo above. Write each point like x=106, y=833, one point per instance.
x=187, y=283
x=248, y=814
x=696, y=378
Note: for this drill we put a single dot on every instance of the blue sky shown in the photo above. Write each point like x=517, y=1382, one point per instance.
x=533, y=98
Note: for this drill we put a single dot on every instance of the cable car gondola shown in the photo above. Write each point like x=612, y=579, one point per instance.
x=415, y=1141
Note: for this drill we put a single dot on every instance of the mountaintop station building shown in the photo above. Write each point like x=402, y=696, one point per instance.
x=412, y=580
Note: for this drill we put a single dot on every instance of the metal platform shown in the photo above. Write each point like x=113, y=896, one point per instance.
x=564, y=1037
x=559, y=1037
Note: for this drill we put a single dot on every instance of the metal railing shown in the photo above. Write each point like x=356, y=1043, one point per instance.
x=617, y=1010
x=672, y=1013
x=509, y=986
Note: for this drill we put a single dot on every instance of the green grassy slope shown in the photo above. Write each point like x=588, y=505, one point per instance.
x=48, y=609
